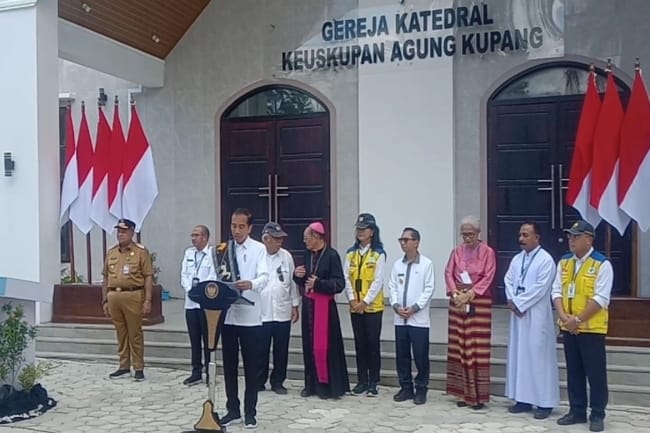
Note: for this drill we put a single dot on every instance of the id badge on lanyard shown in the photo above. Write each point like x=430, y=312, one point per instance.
x=572, y=290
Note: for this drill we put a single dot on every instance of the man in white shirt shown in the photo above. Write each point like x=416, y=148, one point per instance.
x=279, y=301
x=243, y=323
x=197, y=266
x=532, y=371
x=411, y=288
x=581, y=294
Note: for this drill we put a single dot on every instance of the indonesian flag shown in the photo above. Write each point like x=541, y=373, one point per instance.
x=140, y=187
x=80, y=209
x=70, y=187
x=99, y=211
x=580, y=176
x=604, y=177
x=634, y=165
x=115, y=166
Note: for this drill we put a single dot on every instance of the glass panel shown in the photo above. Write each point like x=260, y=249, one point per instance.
x=558, y=81
x=277, y=101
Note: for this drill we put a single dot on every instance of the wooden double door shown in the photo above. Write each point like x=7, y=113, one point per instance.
x=530, y=148
x=279, y=169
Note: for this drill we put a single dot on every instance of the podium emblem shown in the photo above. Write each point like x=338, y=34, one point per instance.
x=211, y=290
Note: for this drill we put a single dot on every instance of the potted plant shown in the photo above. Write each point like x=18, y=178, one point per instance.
x=32, y=399
x=156, y=271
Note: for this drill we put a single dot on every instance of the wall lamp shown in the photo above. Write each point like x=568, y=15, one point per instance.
x=10, y=164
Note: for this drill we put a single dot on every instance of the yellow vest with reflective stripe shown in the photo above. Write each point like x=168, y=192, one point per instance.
x=367, y=275
x=585, y=288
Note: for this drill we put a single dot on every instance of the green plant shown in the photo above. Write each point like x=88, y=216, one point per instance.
x=66, y=278
x=156, y=269
x=32, y=373
x=15, y=335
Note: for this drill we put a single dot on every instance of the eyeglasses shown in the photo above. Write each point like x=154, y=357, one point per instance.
x=404, y=240
x=468, y=234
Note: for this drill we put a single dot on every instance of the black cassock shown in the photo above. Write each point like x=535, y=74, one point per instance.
x=326, y=265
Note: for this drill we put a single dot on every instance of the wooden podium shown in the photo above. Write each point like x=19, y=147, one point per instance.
x=214, y=297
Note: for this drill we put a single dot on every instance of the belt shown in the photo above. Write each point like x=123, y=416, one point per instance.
x=125, y=289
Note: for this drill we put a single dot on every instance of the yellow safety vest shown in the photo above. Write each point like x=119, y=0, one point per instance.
x=585, y=288
x=362, y=267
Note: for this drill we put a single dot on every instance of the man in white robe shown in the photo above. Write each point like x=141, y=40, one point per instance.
x=532, y=372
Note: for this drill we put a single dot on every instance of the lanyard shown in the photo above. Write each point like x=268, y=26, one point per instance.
x=362, y=258
x=197, y=264
x=524, y=270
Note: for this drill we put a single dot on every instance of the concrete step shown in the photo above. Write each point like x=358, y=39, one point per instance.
x=616, y=355
x=618, y=394
x=617, y=374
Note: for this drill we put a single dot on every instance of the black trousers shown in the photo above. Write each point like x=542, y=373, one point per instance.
x=367, y=330
x=278, y=334
x=232, y=338
x=197, y=328
x=416, y=338
x=586, y=360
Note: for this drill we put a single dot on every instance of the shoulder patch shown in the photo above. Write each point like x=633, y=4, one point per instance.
x=598, y=256
x=142, y=247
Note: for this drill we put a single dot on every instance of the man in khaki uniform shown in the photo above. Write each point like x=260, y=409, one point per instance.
x=126, y=297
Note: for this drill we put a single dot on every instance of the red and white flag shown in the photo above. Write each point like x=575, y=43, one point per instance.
x=70, y=186
x=99, y=211
x=634, y=165
x=80, y=209
x=580, y=176
x=116, y=165
x=140, y=186
x=605, y=165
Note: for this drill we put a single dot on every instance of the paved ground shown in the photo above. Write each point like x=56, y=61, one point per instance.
x=89, y=402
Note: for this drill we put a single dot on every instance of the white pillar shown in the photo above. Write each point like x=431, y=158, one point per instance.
x=29, y=257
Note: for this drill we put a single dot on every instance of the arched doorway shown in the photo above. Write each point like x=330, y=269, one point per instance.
x=275, y=161
x=532, y=123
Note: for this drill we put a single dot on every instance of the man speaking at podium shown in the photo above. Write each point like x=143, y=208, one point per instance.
x=244, y=263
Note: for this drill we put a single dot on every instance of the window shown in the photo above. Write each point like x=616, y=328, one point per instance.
x=67, y=227
x=276, y=101
x=551, y=81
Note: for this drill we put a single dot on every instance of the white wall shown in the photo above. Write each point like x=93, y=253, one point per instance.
x=406, y=166
x=29, y=124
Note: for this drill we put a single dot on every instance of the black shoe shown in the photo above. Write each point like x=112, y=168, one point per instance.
x=372, y=390
x=571, y=418
x=230, y=419
x=597, y=424
x=542, y=412
x=306, y=393
x=119, y=373
x=279, y=389
x=193, y=380
x=420, y=396
x=520, y=408
x=250, y=421
x=461, y=404
x=322, y=395
x=361, y=388
x=403, y=395
x=478, y=406
x=261, y=388
x=139, y=376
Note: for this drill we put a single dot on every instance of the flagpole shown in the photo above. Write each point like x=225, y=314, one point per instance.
x=104, y=245
x=73, y=271
x=89, y=262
